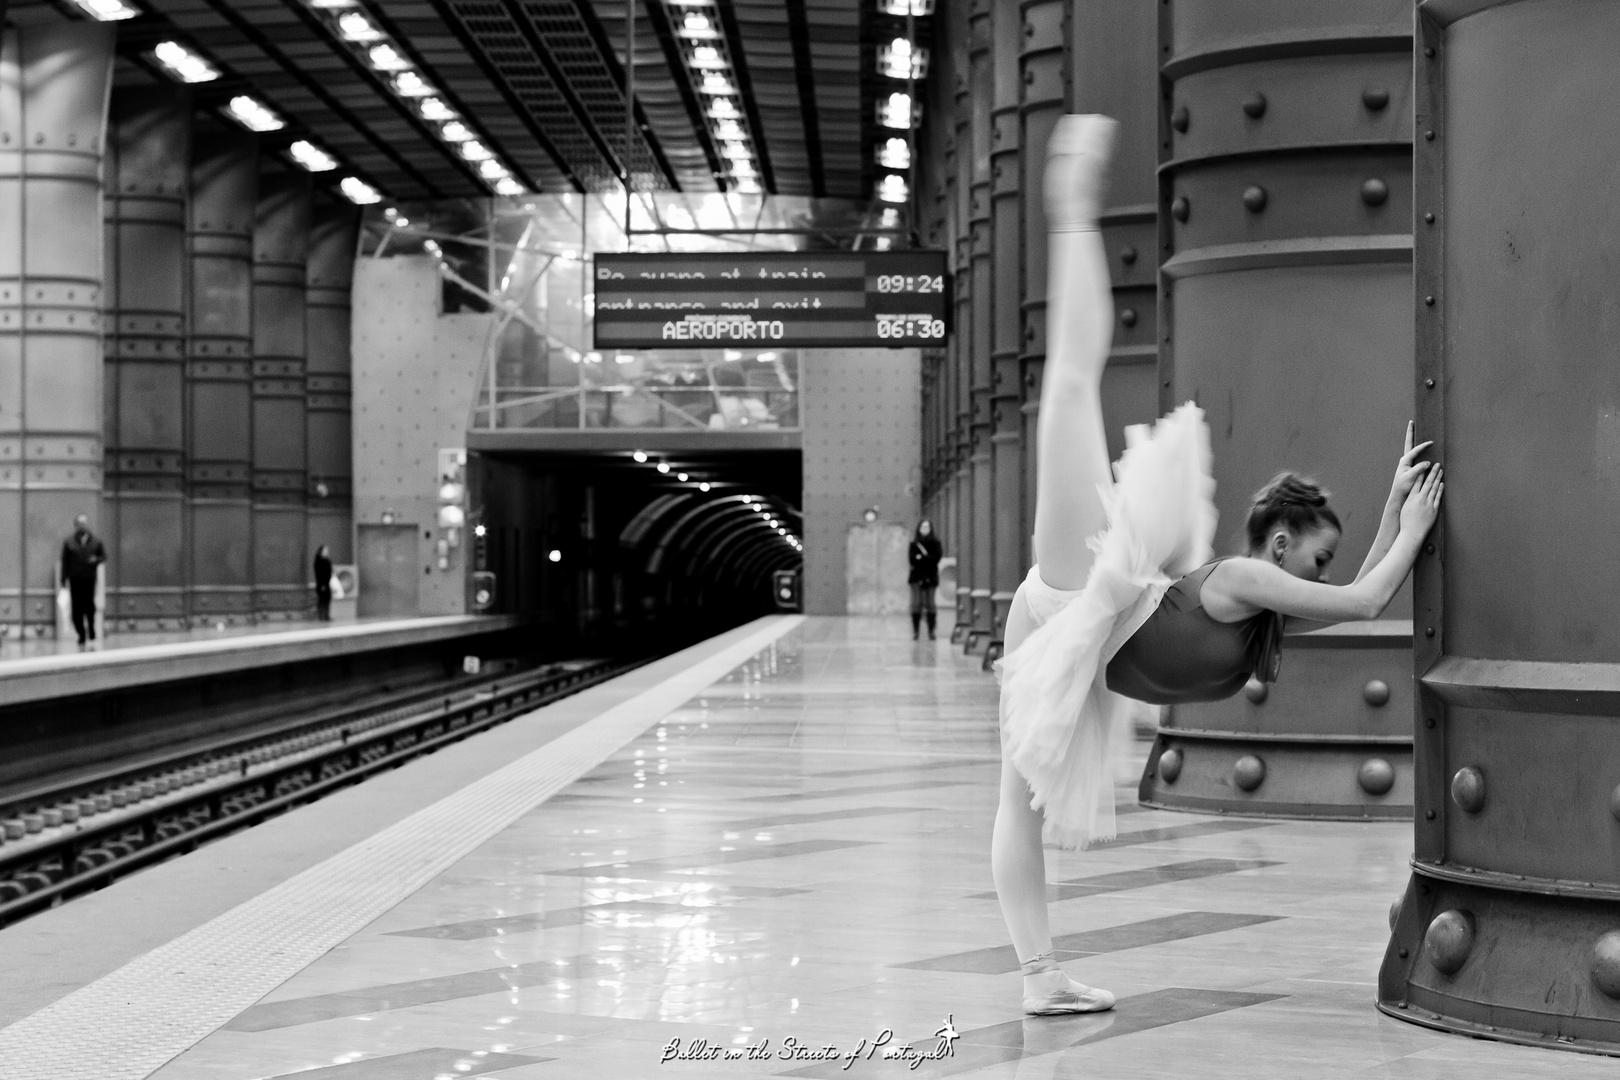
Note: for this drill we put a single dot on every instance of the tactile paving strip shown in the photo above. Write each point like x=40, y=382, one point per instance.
x=133, y=1020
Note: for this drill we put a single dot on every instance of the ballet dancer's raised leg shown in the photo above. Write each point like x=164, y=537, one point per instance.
x=1071, y=460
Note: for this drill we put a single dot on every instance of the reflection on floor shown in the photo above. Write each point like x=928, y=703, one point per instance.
x=19, y=648
x=793, y=869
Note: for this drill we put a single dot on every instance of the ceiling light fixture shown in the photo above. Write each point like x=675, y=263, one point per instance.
x=893, y=189
x=410, y=84
x=492, y=170
x=455, y=131
x=356, y=27
x=706, y=57
x=183, y=64
x=311, y=157
x=698, y=27
x=358, y=191
x=895, y=153
x=897, y=111
x=906, y=7
x=723, y=109
x=387, y=58
x=900, y=59
x=717, y=84
x=509, y=187
x=473, y=150
x=433, y=108
x=253, y=114
x=108, y=10
x=703, y=486
x=663, y=466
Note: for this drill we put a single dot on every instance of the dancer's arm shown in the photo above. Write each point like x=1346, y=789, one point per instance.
x=1260, y=585
x=1407, y=473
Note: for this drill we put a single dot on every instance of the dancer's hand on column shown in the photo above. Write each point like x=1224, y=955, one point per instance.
x=1422, y=508
x=1408, y=470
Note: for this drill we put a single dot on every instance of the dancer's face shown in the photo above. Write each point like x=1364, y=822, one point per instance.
x=1307, y=554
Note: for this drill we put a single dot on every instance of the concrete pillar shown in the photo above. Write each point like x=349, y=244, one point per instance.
x=281, y=570
x=1510, y=926
x=1285, y=234
x=1044, y=85
x=219, y=374
x=1007, y=449
x=328, y=280
x=144, y=506
x=54, y=83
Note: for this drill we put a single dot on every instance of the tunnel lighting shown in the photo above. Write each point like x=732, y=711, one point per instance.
x=473, y=150
x=455, y=131
x=184, y=64
x=387, y=58
x=508, y=186
x=410, y=84
x=356, y=27
x=555, y=556
x=108, y=10
x=663, y=466
x=900, y=59
x=681, y=477
x=718, y=85
x=253, y=114
x=896, y=111
x=358, y=191
x=311, y=157
x=723, y=109
x=707, y=57
x=433, y=108
x=893, y=188
x=768, y=357
x=431, y=247
x=478, y=530
x=883, y=243
x=698, y=27
x=895, y=153
x=492, y=170
x=891, y=218
x=640, y=456
x=703, y=486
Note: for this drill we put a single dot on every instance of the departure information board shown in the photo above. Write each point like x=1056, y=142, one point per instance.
x=764, y=299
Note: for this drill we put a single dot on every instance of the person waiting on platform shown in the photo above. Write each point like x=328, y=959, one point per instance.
x=82, y=559
x=925, y=555
x=323, y=583
x=1125, y=601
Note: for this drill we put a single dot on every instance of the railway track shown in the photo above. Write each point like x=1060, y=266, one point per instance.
x=76, y=835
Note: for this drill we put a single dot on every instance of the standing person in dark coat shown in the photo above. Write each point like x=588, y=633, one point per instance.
x=323, y=583
x=925, y=555
x=82, y=556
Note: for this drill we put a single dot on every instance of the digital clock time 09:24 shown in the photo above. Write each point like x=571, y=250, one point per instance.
x=912, y=283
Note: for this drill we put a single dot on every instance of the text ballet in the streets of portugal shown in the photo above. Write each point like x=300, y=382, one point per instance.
x=825, y=299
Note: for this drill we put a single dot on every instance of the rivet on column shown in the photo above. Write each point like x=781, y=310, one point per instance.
x=1127, y=316
x=1180, y=208
x=1614, y=803
x=1376, y=692
x=1254, y=106
x=1449, y=940
x=1376, y=776
x=1127, y=255
x=1374, y=192
x=1606, y=963
x=1254, y=197
x=1181, y=119
x=1375, y=98
x=1468, y=789
x=1395, y=911
x=1249, y=772
x=1255, y=690
x=1170, y=765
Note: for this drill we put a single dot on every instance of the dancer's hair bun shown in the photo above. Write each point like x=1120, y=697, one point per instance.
x=1293, y=501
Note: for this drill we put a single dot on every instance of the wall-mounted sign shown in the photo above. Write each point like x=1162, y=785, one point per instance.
x=771, y=299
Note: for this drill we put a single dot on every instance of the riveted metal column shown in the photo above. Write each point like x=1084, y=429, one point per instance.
x=219, y=374
x=1285, y=231
x=1116, y=73
x=54, y=83
x=1044, y=87
x=1006, y=323
x=981, y=90
x=144, y=507
x=280, y=430
x=327, y=284
x=1510, y=927
x=964, y=335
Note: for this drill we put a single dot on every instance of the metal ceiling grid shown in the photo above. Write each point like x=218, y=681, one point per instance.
x=767, y=45
x=834, y=31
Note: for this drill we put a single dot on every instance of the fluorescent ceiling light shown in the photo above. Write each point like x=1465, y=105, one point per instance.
x=896, y=111
x=253, y=114
x=184, y=64
x=893, y=188
x=729, y=129
x=108, y=10
x=718, y=84
x=509, y=186
x=312, y=157
x=433, y=108
x=900, y=59
x=387, y=58
x=473, y=150
x=707, y=56
x=410, y=84
x=492, y=170
x=895, y=153
x=723, y=109
x=358, y=191
x=455, y=131
x=698, y=26
x=356, y=27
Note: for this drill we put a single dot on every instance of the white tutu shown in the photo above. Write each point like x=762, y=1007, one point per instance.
x=1063, y=729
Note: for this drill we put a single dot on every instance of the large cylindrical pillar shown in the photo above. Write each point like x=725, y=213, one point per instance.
x=1510, y=927
x=1006, y=322
x=330, y=489
x=144, y=505
x=1043, y=79
x=978, y=367
x=280, y=473
x=1115, y=62
x=219, y=373
x=54, y=83
x=1285, y=239
x=958, y=85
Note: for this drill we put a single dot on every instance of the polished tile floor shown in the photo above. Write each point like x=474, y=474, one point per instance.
x=793, y=868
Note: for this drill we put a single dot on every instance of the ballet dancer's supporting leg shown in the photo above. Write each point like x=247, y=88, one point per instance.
x=1071, y=460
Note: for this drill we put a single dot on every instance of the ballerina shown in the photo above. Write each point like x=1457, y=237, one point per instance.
x=1125, y=602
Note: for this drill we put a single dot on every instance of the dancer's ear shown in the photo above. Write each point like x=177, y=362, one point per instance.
x=1279, y=546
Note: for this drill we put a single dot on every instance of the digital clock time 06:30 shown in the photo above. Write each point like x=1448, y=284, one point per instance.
x=910, y=326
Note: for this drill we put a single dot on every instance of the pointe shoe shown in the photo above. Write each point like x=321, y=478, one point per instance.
x=1077, y=157
x=1072, y=997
